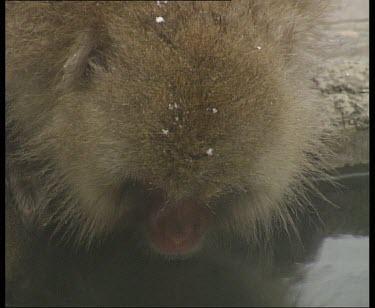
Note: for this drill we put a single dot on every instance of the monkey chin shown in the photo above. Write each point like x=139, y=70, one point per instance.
x=177, y=229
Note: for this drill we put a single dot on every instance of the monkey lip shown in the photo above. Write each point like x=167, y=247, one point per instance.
x=176, y=229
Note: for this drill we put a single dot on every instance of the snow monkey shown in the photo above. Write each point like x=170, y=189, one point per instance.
x=180, y=120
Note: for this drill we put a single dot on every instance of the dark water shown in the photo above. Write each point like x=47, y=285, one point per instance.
x=329, y=268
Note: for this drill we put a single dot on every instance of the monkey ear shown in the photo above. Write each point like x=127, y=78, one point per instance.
x=78, y=60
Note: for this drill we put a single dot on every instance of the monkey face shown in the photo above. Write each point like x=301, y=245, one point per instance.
x=163, y=119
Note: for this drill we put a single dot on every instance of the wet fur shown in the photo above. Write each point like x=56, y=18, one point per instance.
x=92, y=89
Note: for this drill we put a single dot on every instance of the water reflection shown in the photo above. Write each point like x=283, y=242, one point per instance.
x=339, y=276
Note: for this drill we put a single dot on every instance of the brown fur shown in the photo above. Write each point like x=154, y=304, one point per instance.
x=100, y=95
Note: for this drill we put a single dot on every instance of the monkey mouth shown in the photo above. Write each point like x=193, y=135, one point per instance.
x=178, y=228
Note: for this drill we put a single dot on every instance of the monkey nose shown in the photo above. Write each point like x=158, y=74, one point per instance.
x=178, y=228
x=177, y=232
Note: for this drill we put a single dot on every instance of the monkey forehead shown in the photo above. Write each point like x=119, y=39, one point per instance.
x=194, y=87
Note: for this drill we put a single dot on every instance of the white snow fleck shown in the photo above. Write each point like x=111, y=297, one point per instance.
x=160, y=2
x=210, y=151
x=160, y=19
x=174, y=106
x=214, y=110
x=258, y=47
x=165, y=131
